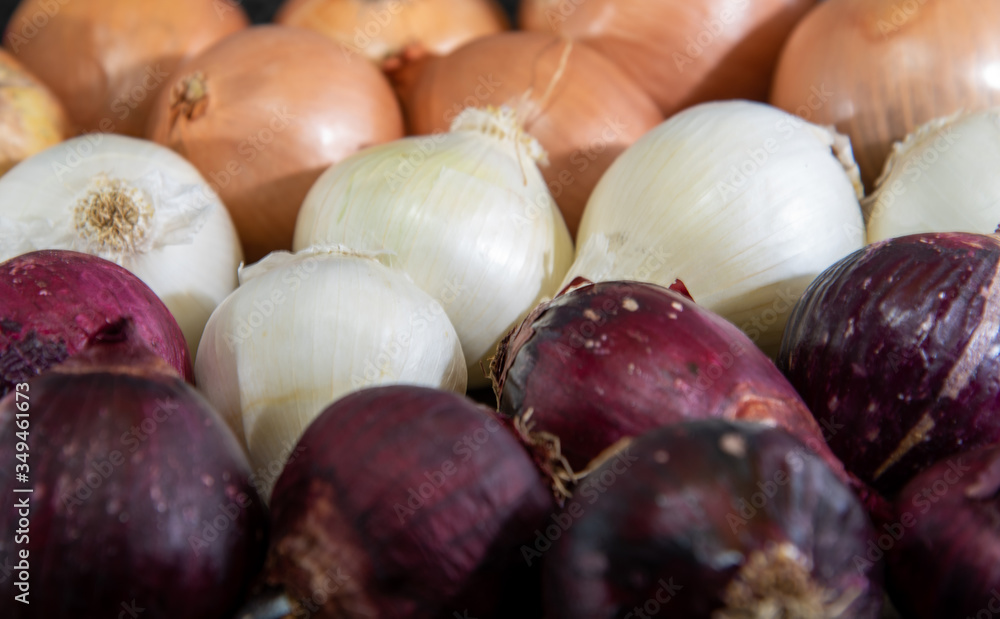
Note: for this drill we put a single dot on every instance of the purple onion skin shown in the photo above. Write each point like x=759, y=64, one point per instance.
x=406, y=502
x=141, y=495
x=670, y=524
x=53, y=303
x=895, y=349
x=943, y=547
x=614, y=359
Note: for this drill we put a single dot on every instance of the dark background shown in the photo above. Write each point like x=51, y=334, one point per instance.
x=260, y=11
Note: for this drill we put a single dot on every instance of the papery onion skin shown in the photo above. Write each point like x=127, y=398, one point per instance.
x=141, y=494
x=743, y=202
x=894, y=347
x=193, y=252
x=106, y=60
x=612, y=360
x=584, y=113
x=877, y=69
x=261, y=124
x=53, y=303
x=346, y=507
x=709, y=519
x=31, y=118
x=943, y=546
x=681, y=52
x=380, y=28
x=939, y=179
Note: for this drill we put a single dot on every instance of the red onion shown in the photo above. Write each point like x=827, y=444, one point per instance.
x=615, y=359
x=405, y=502
x=140, y=494
x=895, y=349
x=711, y=518
x=53, y=303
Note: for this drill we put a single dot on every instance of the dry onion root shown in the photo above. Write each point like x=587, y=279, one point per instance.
x=106, y=60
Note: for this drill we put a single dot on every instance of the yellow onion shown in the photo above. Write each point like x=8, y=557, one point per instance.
x=263, y=114
x=107, y=59
x=682, y=52
x=878, y=69
x=582, y=109
x=31, y=118
x=379, y=28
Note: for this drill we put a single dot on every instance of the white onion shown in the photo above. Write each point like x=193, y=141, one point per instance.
x=183, y=246
x=744, y=203
x=304, y=329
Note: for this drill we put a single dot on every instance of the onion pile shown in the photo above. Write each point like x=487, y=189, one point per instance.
x=581, y=108
x=895, y=350
x=261, y=123
x=877, y=69
x=681, y=52
x=380, y=28
x=404, y=502
x=107, y=60
x=607, y=361
x=55, y=304
x=712, y=519
x=31, y=118
x=139, y=494
x=135, y=203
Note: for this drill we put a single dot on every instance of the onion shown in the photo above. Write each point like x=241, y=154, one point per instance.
x=140, y=495
x=943, y=548
x=133, y=202
x=582, y=109
x=940, y=179
x=377, y=29
x=261, y=124
x=612, y=360
x=106, y=60
x=877, y=69
x=54, y=304
x=305, y=329
x=681, y=52
x=466, y=212
x=895, y=350
x=713, y=519
x=743, y=202
x=406, y=502
x=31, y=118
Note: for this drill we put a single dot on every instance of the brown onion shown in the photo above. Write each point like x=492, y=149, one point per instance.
x=263, y=114
x=31, y=118
x=578, y=105
x=106, y=59
x=682, y=52
x=878, y=69
x=379, y=28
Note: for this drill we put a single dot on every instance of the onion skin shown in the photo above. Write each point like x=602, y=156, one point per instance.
x=437, y=26
x=345, y=507
x=612, y=360
x=106, y=60
x=877, y=69
x=261, y=125
x=662, y=44
x=141, y=494
x=894, y=350
x=943, y=548
x=584, y=117
x=686, y=513
x=55, y=303
x=31, y=118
